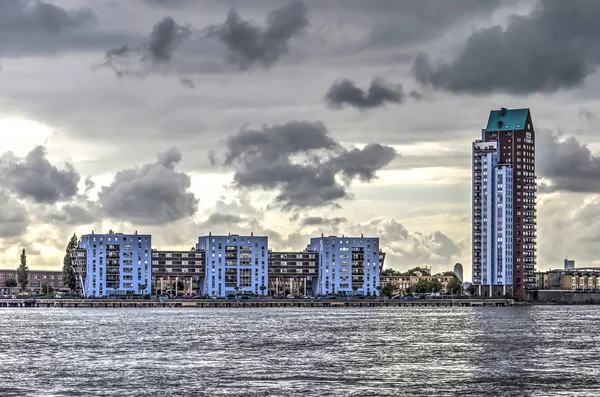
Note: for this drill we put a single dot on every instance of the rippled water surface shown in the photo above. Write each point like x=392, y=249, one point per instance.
x=300, y=352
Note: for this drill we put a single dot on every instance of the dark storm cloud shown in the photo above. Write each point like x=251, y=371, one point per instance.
x=569, y=164
x=36, y=178
x=167, y=3
x=249, y=44
x=406, y=22
x=37, y=27
x=187, y=82
x=345, y=92
x=300, y=161
x=223, y=219
x=13, y=217
x=588, y=114
x=154, y=194
x=73, y=214
x=555, y=47
x=89, y=184
x=321, y=221
x=164, y=39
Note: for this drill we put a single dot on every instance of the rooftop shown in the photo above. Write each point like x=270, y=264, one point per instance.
x=507, y=119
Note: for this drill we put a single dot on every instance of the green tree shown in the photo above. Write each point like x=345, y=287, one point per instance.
x=408, y=291
x=68, y=273
x=47, y=288
x=436, y=285
x=454, y=286
x=422, y=286
x=387, y=290
x=142, y=288
x=10, y=283
x=472, y=289
x=450, y=273
x=262, y=290
x=23, y=271
x=390, y=272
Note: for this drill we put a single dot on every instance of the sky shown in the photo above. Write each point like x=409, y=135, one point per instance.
x=290, y=119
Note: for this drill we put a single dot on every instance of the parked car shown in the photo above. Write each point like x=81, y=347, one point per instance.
x=408, y=298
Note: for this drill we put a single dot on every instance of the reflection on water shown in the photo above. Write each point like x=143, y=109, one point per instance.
x=304, y=351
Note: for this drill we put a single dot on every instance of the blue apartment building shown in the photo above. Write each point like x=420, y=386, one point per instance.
x=116, y=264
x=347, y=265
x=235, y=264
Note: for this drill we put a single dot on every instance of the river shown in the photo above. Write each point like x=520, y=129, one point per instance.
x=534, y=350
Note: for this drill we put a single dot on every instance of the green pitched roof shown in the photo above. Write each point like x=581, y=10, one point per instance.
x=513, y=119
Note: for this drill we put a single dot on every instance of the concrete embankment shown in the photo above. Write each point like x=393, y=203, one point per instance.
x=224, y=303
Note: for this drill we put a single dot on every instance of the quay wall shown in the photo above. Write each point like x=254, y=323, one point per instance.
x=561, y=296
x=223, y=303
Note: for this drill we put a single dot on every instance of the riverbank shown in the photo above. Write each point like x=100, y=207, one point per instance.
x=226, y=303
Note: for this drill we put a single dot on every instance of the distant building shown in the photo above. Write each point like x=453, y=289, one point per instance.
x=235, y=264
x=458, y=270
x=569, y=264
x=347, y=265
x=401, y=283
x=36, y=279
x=582, y=279
x=504, y=205
x=116, y=264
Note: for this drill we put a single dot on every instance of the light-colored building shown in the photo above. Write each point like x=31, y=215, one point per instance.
x=458, y=270
x=116, y=264
x=572, y=279
x=347, y=265
x=235, y=264
x=492, y=216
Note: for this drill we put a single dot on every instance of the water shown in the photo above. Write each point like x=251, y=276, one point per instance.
x=300, y=352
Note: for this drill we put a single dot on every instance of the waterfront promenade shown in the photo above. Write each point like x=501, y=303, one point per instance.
x=226, y=303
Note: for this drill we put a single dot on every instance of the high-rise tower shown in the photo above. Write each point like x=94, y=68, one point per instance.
x=504, y=205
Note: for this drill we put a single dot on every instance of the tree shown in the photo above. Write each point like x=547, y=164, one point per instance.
x=378, y=288
x=422, y=286
x=390, y=272
x=68, y=273
x=47, y=288
x=142, y=288
x=388, y=290
x=435, y=285
x=23, y=271
x=454, y=286
x=408, y=291
x=472, y=289
x=10, y=283
x=450, y=273
x=262, y=290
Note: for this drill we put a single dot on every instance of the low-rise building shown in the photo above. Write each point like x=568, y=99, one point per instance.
x=176, y=272
x=573, y=279
x=400, y=284
x=293, y=272
x=36, y=278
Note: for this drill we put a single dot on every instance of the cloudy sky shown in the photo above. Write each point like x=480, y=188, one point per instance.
x=291, y=119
